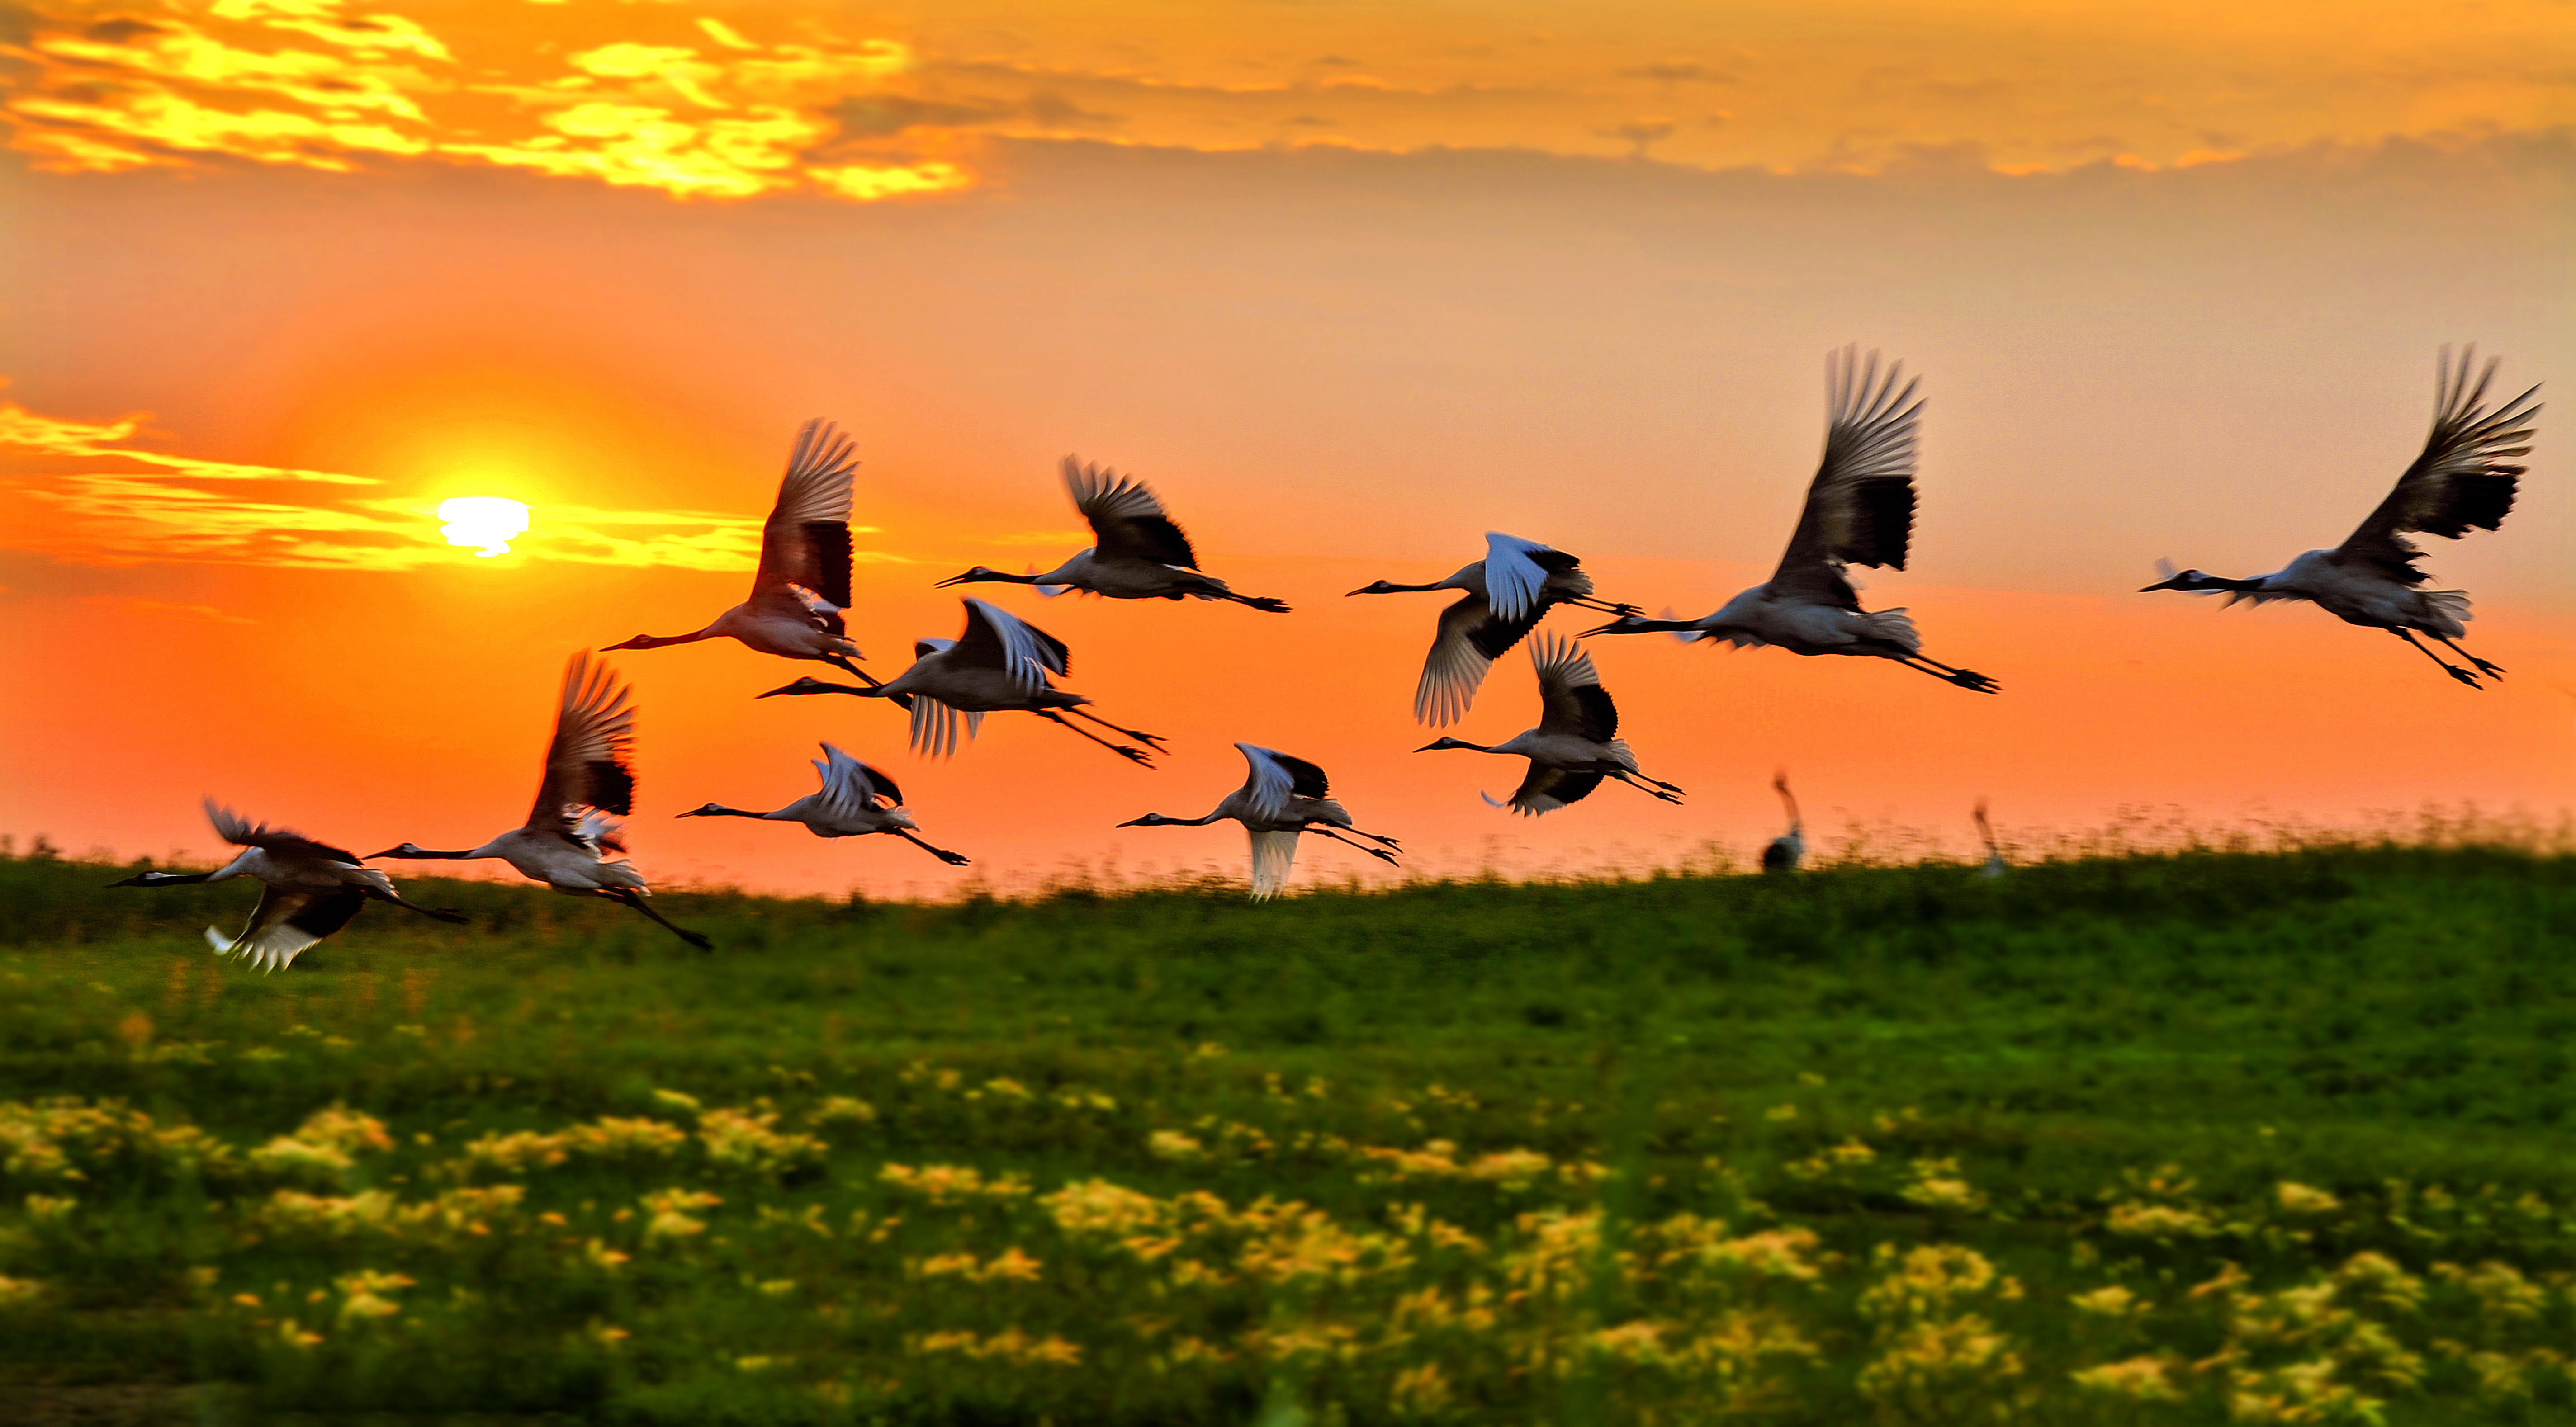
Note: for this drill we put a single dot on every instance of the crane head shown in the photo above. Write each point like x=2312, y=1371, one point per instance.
x=1446, y=743
x=1378, y=587
x=1148, y=820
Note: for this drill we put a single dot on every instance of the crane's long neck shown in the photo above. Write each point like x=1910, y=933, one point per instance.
x=1393, y=589
x=169, y=879
x=718, y=810
x=423, y=854
x=656, y=641
x=996, y=577
x=1651, y=626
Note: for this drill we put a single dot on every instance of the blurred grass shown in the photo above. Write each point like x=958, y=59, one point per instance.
x=1563, y=1111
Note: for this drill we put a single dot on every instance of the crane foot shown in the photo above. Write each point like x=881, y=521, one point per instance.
x=2463, y=675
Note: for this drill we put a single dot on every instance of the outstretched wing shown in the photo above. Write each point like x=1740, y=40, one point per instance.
x=240, y=831
x=1470, y=638
x=1547, y=789
x=1571, y=698
x=995, y=638
x=806, y=540
x=286, y=922
x=590, y=764
x=2461, y=482
x=1126, y=520
x=1517, y=570
x=1276, y=777
x=851, y=788
x=1860, y=507
x=1273, y=855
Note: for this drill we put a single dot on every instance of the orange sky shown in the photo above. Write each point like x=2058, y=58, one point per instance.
x=283, y=274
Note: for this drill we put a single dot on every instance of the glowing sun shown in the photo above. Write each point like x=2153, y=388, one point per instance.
x=488, y=521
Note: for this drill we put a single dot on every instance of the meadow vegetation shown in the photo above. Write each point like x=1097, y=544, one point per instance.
x=2195, y=1138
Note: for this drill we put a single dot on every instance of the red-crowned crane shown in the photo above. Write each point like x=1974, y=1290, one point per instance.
x=1860, y=511
x=1995, y=864
x=309, y=889
x=1138, y=551
x=999, y=665
x=1283, y=798
x=803, y=584
x=1576, y=743
x=2460, y=482
x=1789, y=849
x=589, y=783
x=1506, y=595
x=855, y=800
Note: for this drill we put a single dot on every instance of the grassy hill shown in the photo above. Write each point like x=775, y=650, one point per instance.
x=2184, y=1139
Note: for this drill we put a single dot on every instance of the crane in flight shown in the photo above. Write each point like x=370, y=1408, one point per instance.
x=589, y=782
x=1860, y=511
x=1138, y=551
x=855, y=800
x=1576, y=744
x=308, y=889
x=1505, y=595
x=999, y=664
x=2460, y=482
x=1789, y=849
x=1282, y=799
x=803, y=584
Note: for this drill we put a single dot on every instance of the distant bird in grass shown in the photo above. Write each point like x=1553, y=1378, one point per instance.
x=1860, y=511
x=999, y=665
x=855, y=800
x=1790, y=848
x=310, y=889
x=1995, y=865
x=1282, y=799
x=2460, y=482
x=1506, y=595
x=803, y=584
x=589, y=782
x=1576, y=743
x=1138, y=552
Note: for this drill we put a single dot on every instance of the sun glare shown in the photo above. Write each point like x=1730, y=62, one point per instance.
x=488, y=521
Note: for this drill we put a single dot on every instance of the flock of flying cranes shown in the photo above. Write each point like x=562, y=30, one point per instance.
x=1859, y=511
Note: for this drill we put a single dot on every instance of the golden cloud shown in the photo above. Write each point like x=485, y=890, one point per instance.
x=305, y=83
x=81, y=491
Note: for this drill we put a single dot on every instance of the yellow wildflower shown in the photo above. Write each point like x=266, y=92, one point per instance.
x=2300, y=1199
x=2146, y=1379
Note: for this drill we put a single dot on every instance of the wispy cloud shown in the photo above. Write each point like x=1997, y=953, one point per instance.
x=83, y=491
x=160, y=612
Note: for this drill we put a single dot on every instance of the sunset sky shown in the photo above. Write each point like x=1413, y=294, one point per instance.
x=1350, y=285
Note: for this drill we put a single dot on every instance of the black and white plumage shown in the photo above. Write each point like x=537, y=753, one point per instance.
x=1859, y=511
x=309, y=889
x=1785, y=852
x=1000, y=664
x=1506, y=595
x=1995, y=866
x=2463, y=481
x=855, y=800
x=1576, y=743
x=1138, y=551
x=1282, y=798
x=803, y=584
x=589, y=782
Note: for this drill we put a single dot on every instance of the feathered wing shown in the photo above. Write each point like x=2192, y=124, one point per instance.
x=935, y=727
x=1547, y=789
x=851, y=788
x=1471, y=636
x=1125, y=517
x=2462, y=481
x=806, y=540
x=1860, y=507
x=286, y=922
x=1273, y=855
x=1571, y=698
x=995, y=638
x=240, y=831
x=590, y=764
x=1276, y=778
x=1517, y=571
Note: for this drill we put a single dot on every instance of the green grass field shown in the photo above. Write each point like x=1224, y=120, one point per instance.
x=2192, y=1139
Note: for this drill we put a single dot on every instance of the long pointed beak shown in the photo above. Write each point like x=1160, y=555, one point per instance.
x=781, y=689
x=951, y=580
x=1364, y=589
x=134, y=881
x=1135, y=822
x=1604, y=629
x=388, y=852
x=2172, y=584
x=1426, y=748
